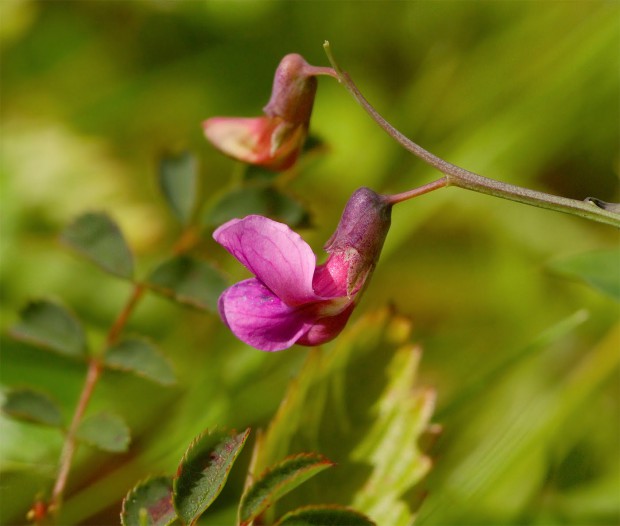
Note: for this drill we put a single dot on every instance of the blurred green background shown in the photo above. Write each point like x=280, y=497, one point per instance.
x=524, y=360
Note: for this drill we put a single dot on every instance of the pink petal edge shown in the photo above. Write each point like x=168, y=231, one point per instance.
x=259, y=318
x=275, y=254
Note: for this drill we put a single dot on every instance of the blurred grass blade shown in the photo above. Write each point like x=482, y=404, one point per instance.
x=149, y=504
x=499, y=462
x=141, y=358
x=31, y=406
x=265, y=201
x=189, y=281
x=599, y=269
x=401, y=416
x=485, y=378
x=97, y=237
x=178, y=180
x=324, y=516
x=51, y=326
x=105, y=431
x=278, y=481
x=203, y=471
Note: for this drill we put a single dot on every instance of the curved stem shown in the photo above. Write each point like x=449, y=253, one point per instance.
x=462, y=178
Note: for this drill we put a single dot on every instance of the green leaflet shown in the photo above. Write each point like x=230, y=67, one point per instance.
x=278, y=481
x=97, y=237
x=49, y=325
x=190, y=281
x=178, y=180
x=31, y=406
x=324, y=516
x=204, y=470
x=149, y=503
x=141, y=358
x=105, y=431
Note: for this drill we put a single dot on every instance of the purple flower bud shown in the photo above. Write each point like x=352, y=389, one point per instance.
x=291, y=299
x=275, y=139
x=294, y=88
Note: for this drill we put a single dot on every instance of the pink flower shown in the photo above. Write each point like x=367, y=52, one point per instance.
x=291, y=299
x=275, y=139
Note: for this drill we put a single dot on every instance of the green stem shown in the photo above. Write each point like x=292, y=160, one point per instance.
x=462, y=178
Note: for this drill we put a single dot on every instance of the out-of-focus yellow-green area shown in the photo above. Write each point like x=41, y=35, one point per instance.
x=524, y=360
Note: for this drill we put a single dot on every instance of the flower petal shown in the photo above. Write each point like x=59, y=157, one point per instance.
x=275, y=254
x=239, y=137
x=265, y=141
x=259, y=318
x=326, y=329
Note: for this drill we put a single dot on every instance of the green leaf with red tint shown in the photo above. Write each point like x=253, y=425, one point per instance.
x=203, y=471
x=149, y=504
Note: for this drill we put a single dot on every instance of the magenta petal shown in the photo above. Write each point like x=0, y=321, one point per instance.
x=259, y=318
x=275, y=254
x=326, y=329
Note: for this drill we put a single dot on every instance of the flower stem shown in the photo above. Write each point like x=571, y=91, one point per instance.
x=425, y=189
x=457, y=176
x=93, y=374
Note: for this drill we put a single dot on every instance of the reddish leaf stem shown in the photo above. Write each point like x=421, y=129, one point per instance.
x=420, y=190
x=93, y=374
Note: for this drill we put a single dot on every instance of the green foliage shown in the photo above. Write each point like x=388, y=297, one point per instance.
x=140, y=357
x=105, y=431
x=178, y=179
x=373, y=436
x=600, y=270
x=517, y=91
x=149, y=504
x=204, y=470
x=51, y=326
x=324, y=516
x=190, y=281
x=98, y=238
x=278, y=481
x=32, y=406
x=261, y=200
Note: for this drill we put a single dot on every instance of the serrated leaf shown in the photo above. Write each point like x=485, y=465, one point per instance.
x=31, y=406
x=266, y=201
x=278, y=481
x=324, y=516
x=190, y=281
x=97, y=237
x=141, y=358
x=600, y=269
x=105, y=431
x=203, y=471
x=51, y=326
x=178, y=180
x=149, y=504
